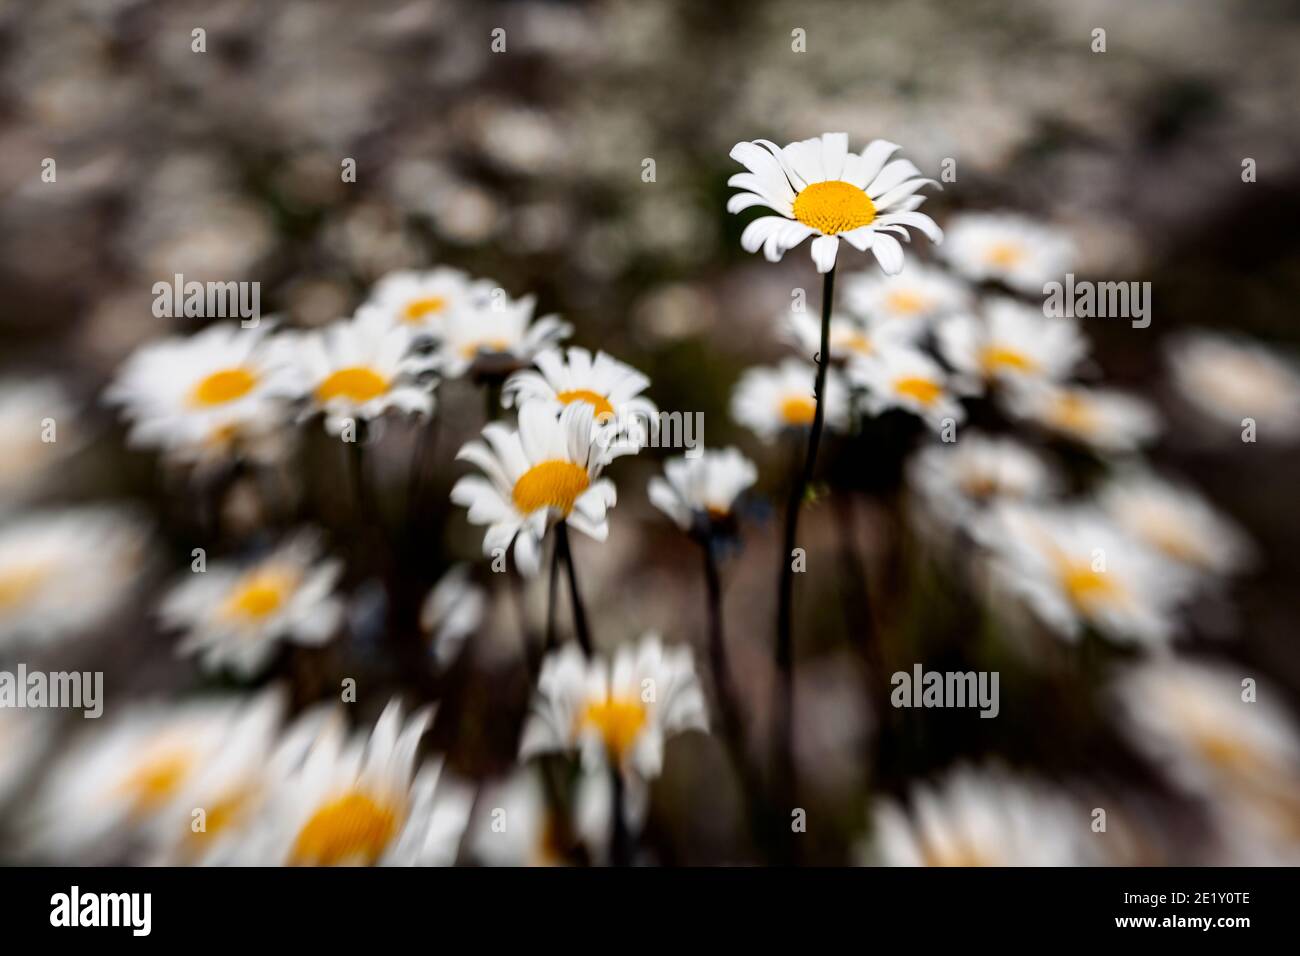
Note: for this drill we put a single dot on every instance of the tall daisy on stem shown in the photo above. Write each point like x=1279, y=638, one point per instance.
x=818, y=188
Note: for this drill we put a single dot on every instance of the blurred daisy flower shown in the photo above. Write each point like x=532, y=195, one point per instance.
x=1075, y=569
x=520, y=827
x=913, y=299
x=235, y=616
x=62, y=572
x=28, y=452
x=1004, y=247
x=209, y=395
x=545, y=471
x=1178, y=523
x=981, y=818
x=361, y=800
x=1010, y=341
x=422, y=300
x=907, y=378
x=496, y=337
x=818, y=188
x=357, y=369
x=451, y=612
x=611, y=387
x=958, y=481
x=1106, y=420
x=699, y=493
x=849, y=337
x=770, y=400
x=1229, y=379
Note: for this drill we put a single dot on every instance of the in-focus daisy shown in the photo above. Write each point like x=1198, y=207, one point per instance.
x=699, y=493
x=1075, y=568
x=907, y=378
x=545, y=471
x=361, y=800
x=615, y=712
x=451, y=612
x=498, y=337
x=981, y=818
x=234, y=616
x=1011, y=341
x=849, y=337
x=422, y=300
x=357, y=369
x=1104, y=419
x=912, y=299
x=770, y=400
x=206, y=396
x=63, y=571
x=1177, y=522
x=818, y=188
x=957, y=481
x=1008, y=248
x=1230, y=379
x=611, y=387
x=26, y=457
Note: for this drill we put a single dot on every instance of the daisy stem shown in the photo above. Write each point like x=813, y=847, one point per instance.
x=552, y=596
x=579, y=614
x=426, y=438
x=620, y=852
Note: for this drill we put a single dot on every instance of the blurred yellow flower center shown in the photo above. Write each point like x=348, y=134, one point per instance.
x=1084, y=586
x=907, y=302
x=356, y=384
x=852, y=342
x=224, y=386
x=1004, y=254
x=603, y=408
x=20, y=583
x=551, y=484
x=998, y=358
x=260, y=594
x=156, y=781
x=1226, y=753
x=924, y=390
x=833, y=207
x=798, y=410
x=417, y=309
x=471, y=349
x=618, y=720
x=1173, y=539
x=1072, y=413
x=221, y=814
x=351, y=829
x=957, y=856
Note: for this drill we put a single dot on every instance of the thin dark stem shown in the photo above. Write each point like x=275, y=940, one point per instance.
x=621, y=837
x=552, y=597
x=426, y=438
x=579, y=613
x=491, y=399
x=357, y=478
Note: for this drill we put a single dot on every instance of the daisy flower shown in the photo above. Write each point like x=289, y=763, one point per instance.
x=25, y=458
x=981, y=818
x=547, y=470
x=770, y=400
x=1075, y=568
x=1178, y=523
x=1011, y=342
x=356, y=370
x=912, y=299
x=849, y=337
x=1007, y=248
x=907, y=378
x=818, y=188
x=206, y=396
x=517, y=825
x=958, y=481
x=1106, y=420
x=451, y=612
x=615, y=712
x=1229, y=379
x=499, y=337
x=700, y=493
x=63, y=571
x=422, y=300
x=362, y=801
x=235, y=616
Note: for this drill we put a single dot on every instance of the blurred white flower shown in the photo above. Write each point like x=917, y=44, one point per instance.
x=957, y=482
x=913, y=298
x=818, y=188
x=907, y=378
x=1010, y=341
x=235, y=615
x=502, y=331
x=1104, y=419
x=769, y=400
x=24, y=735
x=849, y=337
x=1008, y=248
x=547, y=470
x=611, y=387
x=700, y=492
x=1230, y=379
x=26, y=457
x=422, y=300
x=451, y=612
x=519, y=827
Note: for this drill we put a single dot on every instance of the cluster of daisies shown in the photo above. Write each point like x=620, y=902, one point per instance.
x=238, y=779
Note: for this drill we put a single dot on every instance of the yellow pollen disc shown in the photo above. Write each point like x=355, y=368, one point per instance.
x=604, y=409
x=551, y=484
x=471, y=349
x=356, y=384
x=259, y=595
x=923, y=390
x=1085, y=587
x=417, y=309
x=996, y=358
x=156, y=781
x=1004, y=254
x=797, y=410
x=833, y=207
x=351, y=829
x=907, y=302
x=224, y=386
x=618, y=720
x=19, y=584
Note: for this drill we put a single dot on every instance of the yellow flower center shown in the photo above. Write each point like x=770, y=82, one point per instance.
x=924, y=390
x=618, y=720
x=357, y=384
x=1086, y=587
x=833, y=207
x=418, y=309
x=1004, y=255
x=18, y=584
x=604, y=409
x=353, y=828
x=959, y=856
x=798, y=410
x=852, y=342
x=154, y=782
x=1173, y=539
x=224, y=386
x=470, y=349
x=222, y=814
x=907, y=302
x=1072, y=412
x=551, y=484
x=998, y=358
x=260, y=594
